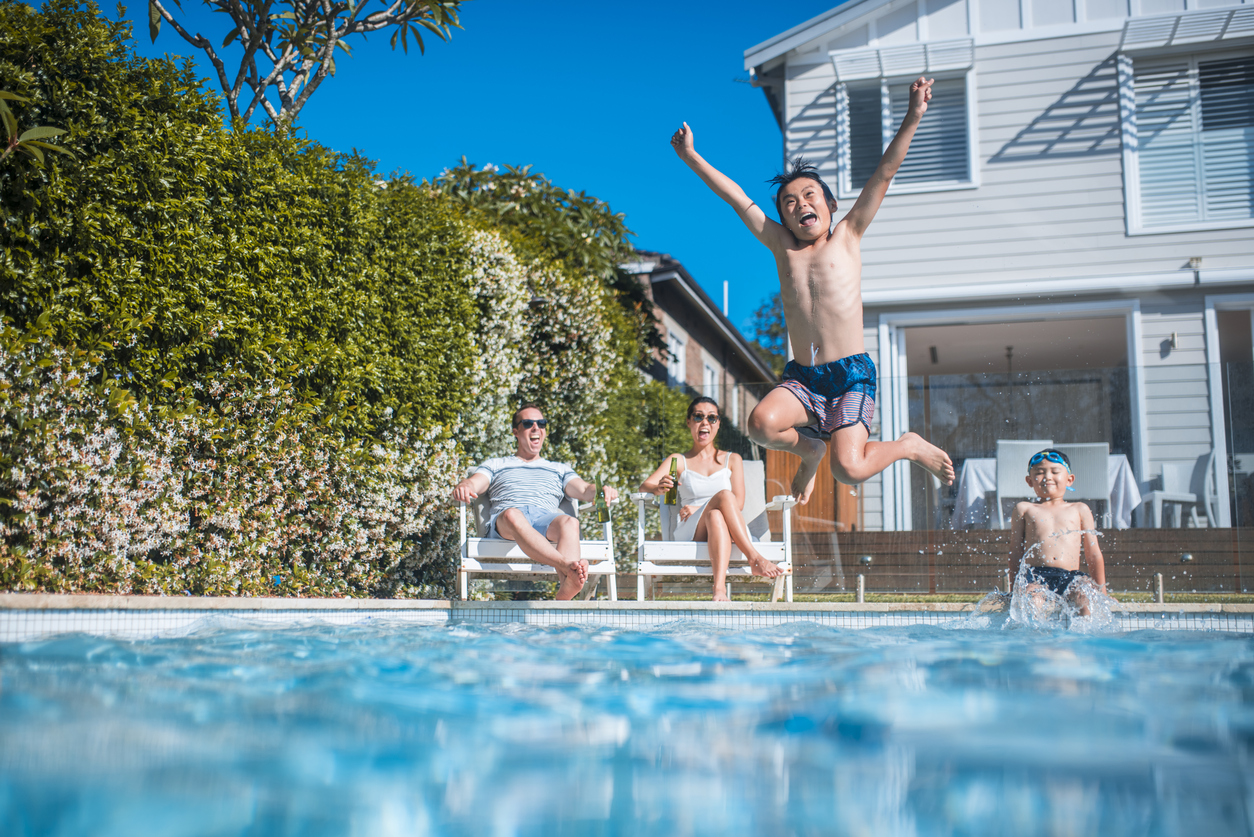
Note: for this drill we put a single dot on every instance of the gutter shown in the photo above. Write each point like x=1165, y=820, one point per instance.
x=724, y=325
x=1044, y=288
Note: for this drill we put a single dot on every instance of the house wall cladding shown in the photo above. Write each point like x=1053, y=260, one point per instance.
x=1050, y=201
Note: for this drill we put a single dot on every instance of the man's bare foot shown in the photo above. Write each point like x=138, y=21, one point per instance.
x=929, y=457
x=720, y=594
x=761, y=567
x=573, y=576
x=803, y=480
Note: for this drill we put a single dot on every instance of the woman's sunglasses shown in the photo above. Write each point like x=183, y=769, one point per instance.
x=527, y=424
x=712, y=418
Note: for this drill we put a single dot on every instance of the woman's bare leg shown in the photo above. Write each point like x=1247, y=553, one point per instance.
x=712, y=528
x=725, y=503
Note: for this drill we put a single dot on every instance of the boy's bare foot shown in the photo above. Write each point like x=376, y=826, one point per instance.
x=761, y=567
x=720, y=594
x=929, y=457
x=803, y=480
x=573, y=577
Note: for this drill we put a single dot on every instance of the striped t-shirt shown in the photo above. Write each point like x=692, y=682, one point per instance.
x=513, y=482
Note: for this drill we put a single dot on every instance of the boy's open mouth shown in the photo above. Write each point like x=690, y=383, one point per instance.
x=808, y=219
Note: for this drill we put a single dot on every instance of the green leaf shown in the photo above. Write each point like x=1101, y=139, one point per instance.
x=230, y=36
x=40, y=133
x=154, y=20
x=13, y=97
x=31, y=149
x=50, y=147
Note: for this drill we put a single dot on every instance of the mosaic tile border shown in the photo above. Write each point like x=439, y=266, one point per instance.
x=31, y=618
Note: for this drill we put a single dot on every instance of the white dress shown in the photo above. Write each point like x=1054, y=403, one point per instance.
x=697, y=490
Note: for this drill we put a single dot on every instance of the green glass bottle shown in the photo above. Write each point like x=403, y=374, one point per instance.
x=603, y=508
x=672, y=493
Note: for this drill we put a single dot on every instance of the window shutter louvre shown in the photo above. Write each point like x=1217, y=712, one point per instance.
x=866, y=142
x=938, y=152
x=1227, y=94
x=1166, y=151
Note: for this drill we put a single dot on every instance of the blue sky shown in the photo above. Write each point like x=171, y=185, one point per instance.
x=588, y=93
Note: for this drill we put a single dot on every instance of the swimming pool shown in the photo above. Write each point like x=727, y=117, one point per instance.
x=683, y=728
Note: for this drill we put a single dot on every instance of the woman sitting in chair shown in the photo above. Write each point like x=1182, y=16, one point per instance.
x=711, y=497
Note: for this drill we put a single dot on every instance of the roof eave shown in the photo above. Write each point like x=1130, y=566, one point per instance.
x=815, y=27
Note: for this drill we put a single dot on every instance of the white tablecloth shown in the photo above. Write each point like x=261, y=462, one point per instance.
x=979, y=476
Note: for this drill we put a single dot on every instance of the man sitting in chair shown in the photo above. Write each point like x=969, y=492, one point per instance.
x=526, y=491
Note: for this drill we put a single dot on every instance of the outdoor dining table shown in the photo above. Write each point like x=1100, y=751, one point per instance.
x=978, y=478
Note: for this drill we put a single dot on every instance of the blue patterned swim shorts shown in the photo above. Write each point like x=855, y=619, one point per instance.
x=840, y=393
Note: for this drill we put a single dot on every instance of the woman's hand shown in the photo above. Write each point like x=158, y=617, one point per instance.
x=667, y=482
x=686, y=512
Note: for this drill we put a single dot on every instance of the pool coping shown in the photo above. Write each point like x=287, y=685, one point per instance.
x=98, y=601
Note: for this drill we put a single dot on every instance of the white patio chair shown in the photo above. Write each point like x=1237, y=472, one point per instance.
x=1012, y=467
x=669, y=557
x=502, y=558
x=1091, y=465
x=1181, y=486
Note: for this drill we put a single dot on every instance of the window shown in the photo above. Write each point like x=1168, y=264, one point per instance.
x=709, y=382
x=940, y=153
x=1189, y=142
x=675, y=366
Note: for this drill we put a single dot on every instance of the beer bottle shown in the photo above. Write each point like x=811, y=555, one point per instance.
x=603, y=508
x=672, y=493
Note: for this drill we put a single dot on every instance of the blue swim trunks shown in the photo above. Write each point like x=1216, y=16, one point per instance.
x=840, y=393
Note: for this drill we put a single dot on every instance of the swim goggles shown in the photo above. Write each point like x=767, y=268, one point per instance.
x=1050, y=456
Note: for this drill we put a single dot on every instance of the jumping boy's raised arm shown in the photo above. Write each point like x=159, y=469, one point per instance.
x=868, y=203
x=764, y=229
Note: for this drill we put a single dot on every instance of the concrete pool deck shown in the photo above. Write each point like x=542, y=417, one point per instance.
x=28, y=616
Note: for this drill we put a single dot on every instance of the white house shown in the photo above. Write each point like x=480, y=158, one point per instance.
x=1068, y=250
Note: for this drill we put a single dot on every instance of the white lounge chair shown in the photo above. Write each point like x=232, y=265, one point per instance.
x=1012, y=467
x=1091, y=465
x=502, y=558
x=669, y=557
x=1189, y=485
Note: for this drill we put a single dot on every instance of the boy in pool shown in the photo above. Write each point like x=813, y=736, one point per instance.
x=1052, y=534
x=820, y=277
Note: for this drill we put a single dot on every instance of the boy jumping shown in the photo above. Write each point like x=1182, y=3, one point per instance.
x=1053, y=533
x=820, y=278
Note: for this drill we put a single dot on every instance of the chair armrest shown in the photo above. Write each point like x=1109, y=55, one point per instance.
x=642, y=496
x=585, y=506
x=780, y=502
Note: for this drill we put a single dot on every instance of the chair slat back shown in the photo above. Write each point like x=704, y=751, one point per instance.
x=1178, y=479
x=1091, y=466
x=1012, y=466
x=1204, y=484
x=755, y=500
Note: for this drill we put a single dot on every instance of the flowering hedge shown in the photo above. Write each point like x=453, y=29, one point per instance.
x=235, y=362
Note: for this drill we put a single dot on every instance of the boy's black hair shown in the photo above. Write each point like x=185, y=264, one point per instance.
x=1065, y=458
x=801, y=167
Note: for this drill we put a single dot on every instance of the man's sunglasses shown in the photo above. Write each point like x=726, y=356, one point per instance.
x=1051, y=456
x=712, y=418
x=527, y=424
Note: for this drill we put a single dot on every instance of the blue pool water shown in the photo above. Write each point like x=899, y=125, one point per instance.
x=517, y=730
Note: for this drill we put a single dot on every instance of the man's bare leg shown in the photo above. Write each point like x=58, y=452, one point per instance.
x=572, y=572
x=773, y=424
x=719, y=543
x=855, y=460
x=724, y=503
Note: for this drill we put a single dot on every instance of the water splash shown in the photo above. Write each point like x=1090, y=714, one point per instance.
x=1083, y=608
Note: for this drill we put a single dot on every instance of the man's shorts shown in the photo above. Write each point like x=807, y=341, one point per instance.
x=840, y=393
x=1055, y=578
x=539, y=517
